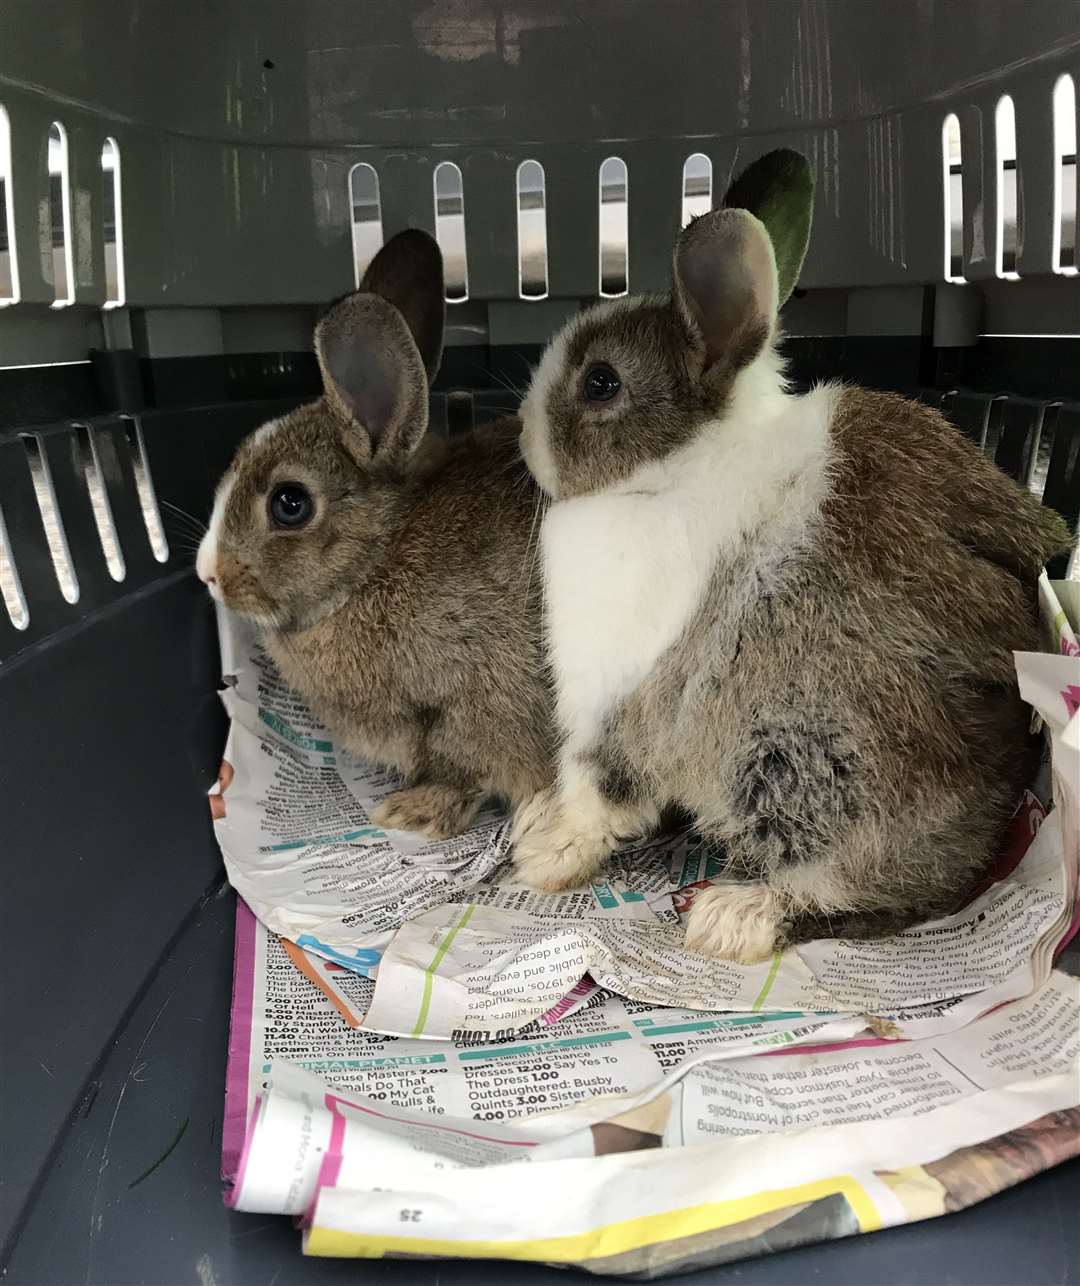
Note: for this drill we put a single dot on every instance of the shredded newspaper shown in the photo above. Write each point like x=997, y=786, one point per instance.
x=408, y=1021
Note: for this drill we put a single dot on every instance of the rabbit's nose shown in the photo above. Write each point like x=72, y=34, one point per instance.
x=206, y=562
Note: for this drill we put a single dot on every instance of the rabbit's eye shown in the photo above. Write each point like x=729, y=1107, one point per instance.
x=601, y=384
x=291, y=505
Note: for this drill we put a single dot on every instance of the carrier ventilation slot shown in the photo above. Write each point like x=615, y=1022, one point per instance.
x=450, y=230
x=144, y=485
x=115, y=286
x=1065, y=258
x=1043, y=450
x=696, y=187
x=460, y=412
x=614, y=228
x=532, y=231
x=1007, y=188
x=10, y=585
x=9, y=264
x=953, y=198
x=366, y=215
x=50, y=519
x=58, y=259
x=993, y=425
x=99, y=502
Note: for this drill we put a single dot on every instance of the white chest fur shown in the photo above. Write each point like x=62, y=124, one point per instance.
x=625, y=569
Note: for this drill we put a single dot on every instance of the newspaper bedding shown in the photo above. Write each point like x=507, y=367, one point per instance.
x=404, y=1010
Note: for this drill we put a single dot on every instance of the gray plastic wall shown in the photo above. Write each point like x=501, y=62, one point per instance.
x=238, y=125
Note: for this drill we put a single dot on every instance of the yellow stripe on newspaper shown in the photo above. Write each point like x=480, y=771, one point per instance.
x=767, y=987
x=436, y=960
x=612, y=1239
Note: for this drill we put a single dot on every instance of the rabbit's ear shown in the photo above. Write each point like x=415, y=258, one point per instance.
x=725, y=285
x=373, y=374
x=778, y=188
x=408, y=272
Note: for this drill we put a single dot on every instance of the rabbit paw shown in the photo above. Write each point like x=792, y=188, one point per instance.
x=439, y=812
x=734, y=922
x=553, y=850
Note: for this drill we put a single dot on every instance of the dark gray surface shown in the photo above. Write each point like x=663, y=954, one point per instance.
x=91, y=1226
x=106, y=749
x=470, y=71
x=235, y=174
x=110, y=732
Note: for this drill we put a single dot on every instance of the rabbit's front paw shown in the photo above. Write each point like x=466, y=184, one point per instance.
x=552, y=849
x=534, y=813
x=734, y=922
x=436, y=811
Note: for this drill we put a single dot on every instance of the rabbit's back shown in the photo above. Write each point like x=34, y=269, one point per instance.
x=920, y=517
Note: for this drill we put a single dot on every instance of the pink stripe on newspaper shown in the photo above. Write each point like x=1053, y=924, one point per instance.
x=238, y=1069
x=238, y=1186
x=580, y=991
x=330, y=1167
x=833, y=1048
x=335, y=1149
x=332, y=1100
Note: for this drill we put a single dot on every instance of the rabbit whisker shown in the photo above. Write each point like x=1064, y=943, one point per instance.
x=504, y=382
x=171, y=520
x=180, y=531
x=495, y=376
x=183, y=513
x=532, y=551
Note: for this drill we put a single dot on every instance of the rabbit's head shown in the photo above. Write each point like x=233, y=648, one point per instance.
x=628, y=382
x=309, y=503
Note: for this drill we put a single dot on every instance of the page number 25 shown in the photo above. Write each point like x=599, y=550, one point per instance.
x=408, y=1216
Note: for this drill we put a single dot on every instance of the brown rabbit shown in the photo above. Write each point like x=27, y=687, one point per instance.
x=390, y=573
x=792, y=617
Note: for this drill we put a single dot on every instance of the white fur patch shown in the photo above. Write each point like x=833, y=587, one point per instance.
x=556, y=848
x=563, y=836
x=206, y=558
x=626, y=568
x=736, y=922
x=535, y=434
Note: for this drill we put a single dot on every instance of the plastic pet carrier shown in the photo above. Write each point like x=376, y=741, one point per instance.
x=182, y=189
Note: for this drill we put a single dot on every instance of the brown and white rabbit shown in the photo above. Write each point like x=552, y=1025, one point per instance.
x=791, y=616
x=390, y=574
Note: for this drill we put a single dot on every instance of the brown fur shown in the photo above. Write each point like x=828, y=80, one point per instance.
x=595, y=445
x=408, y=616
x=839, y=714
x=853, y=735
x=405, y=609
x=677, y=358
